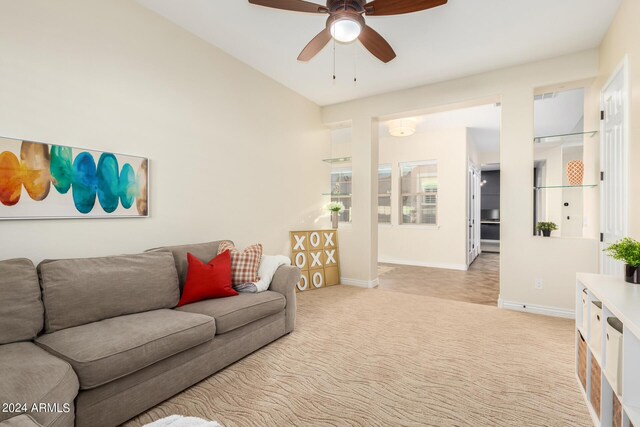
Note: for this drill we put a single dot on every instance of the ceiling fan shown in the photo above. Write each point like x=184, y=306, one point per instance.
x=346, y=21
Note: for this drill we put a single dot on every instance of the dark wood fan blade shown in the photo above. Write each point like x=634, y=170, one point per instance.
x=315, y=45
x=397, y=7
x=295, y=5
x=376, y=44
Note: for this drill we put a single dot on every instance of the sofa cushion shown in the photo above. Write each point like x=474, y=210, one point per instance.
x=233, y=312
x=81, y=291
x=31, y=376
x=20, y=304
x=205, y=252
x=103, y=351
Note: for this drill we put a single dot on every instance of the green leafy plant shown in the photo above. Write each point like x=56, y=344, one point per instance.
x=626, y=250
x=336, y=207
x=546, y=226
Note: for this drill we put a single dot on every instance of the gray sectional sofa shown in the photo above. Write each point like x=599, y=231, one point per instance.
x=100, y=341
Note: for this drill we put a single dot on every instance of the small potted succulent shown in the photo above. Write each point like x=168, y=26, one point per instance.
x=627, y=250
x=546, y=228
x=335, y=208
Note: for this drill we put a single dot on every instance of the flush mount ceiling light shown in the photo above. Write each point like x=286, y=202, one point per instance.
x=402, y=127
x=346, y=21
x=345, y=30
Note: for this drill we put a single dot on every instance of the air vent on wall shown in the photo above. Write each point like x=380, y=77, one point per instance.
x=548, y=95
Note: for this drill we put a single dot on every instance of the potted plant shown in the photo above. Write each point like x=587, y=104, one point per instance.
x=546, y=227
x=627, y=250
x=335, y=208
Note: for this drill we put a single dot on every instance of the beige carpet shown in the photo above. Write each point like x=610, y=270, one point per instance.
x=377, y=358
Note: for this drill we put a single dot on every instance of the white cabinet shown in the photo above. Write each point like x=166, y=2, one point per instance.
x=612, y=385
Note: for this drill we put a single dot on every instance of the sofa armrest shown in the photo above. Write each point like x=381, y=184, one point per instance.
x=284, y=282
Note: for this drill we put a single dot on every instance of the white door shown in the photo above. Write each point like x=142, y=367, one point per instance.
x=613, y=164
x=473, y=214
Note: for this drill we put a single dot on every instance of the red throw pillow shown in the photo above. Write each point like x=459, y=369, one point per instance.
x=207, y=281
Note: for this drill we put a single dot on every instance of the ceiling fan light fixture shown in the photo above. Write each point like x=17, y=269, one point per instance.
x=345, y=30
x=402, y=127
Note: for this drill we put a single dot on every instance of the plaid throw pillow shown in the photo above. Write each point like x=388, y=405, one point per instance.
x=245, y=264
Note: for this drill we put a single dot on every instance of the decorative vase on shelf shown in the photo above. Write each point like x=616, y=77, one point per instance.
x=334, y=220
x=575, y=172
x=631, y=274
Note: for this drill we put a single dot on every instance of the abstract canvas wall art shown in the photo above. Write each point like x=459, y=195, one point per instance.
x=39, y=181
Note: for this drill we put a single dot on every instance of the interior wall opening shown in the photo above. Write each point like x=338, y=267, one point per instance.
x=433, y=208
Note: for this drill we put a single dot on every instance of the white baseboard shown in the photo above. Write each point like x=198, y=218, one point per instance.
x=447, y=266
x=360, y=283
x=536, y=309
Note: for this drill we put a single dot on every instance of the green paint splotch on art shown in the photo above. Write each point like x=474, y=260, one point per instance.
x=84, y=182
x=61, y=168
x=108, y=182
x=128, y=186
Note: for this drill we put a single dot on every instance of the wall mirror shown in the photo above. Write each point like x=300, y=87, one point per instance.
x=564, y=169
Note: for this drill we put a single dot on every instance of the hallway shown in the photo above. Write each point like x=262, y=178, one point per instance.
x=479, y=285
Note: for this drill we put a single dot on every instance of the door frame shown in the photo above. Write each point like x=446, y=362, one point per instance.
x=473, y=215
x=623, y=68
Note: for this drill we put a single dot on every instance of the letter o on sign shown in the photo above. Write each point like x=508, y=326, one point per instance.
x=314, y=239
x=301, y=259
x=303, y=284
x=317, y=279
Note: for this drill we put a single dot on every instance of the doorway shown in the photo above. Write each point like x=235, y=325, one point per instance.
x=430, y=200
x=473, y=186
x=613, y=163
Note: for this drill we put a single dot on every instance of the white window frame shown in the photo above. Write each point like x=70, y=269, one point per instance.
x=402, y=165
x=386, y=167
x=342, y=197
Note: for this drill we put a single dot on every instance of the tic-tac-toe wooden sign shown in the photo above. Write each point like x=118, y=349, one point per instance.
x=316, y=254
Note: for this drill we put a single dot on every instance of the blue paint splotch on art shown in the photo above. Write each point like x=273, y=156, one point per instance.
x=61, y=168
x=128, y=186
x=108, y=182
x=84, y=182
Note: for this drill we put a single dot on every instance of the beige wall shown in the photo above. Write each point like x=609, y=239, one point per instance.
x=524, y=257
x=233, y=154
x=623, y=38
x=443, y=245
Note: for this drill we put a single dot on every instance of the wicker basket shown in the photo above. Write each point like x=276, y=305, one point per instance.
x=596, y=386
x=582, y=361
x=617, y=412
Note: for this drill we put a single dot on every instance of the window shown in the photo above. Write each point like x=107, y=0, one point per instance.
x=341, y=191
x=419, y=193
x=384, y=194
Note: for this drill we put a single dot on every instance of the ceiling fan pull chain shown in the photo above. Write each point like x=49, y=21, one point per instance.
x=334, y=61
x=355, y=65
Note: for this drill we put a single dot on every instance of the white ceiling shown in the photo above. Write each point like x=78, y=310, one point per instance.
x=462, y=38
x=561, y=114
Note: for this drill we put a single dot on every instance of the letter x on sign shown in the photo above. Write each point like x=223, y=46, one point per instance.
x=330, y=254
x=329, y=239
x=299, y=243
x=316, y=258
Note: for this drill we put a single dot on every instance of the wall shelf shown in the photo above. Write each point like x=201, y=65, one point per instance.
x=565, y=137
x=549, y=187
x=337, y=160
